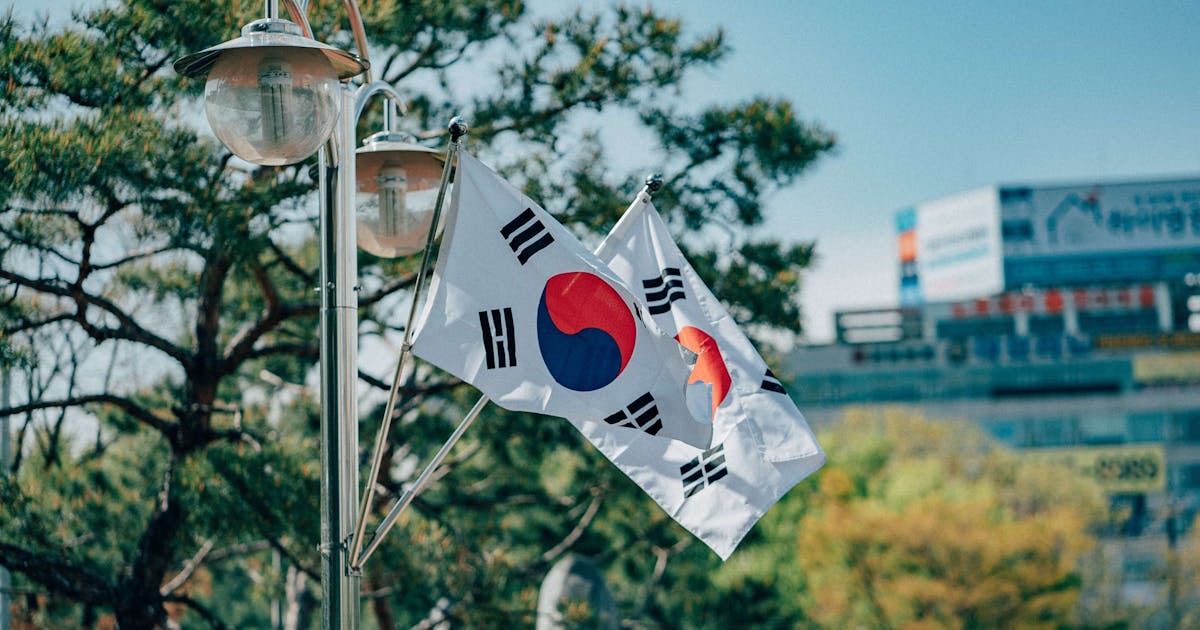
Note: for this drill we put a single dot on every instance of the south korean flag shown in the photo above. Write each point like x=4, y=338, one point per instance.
x=523, y=311
x=762, y=447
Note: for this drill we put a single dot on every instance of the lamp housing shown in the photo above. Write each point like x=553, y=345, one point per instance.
x=397, y=182
x=272, y=94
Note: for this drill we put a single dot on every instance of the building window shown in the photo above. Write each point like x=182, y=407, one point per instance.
x=1006, y=431
x=1102, y=429
x=986, y=349
x=1048, y=346
x=1046, y=324
x=1053, y=432
x=1078, y=346
x=1186, y=427
x=1145, y=321
x=998, y=326
x=1147, y=427
x=1017, y=348
x=1185, y=477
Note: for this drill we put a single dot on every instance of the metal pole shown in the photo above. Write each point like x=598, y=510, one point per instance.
x=339, y=376
x=418, y=485
x=5, y=462
x=457, y=129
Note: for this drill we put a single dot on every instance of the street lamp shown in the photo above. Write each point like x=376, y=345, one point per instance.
x=273, y=97
x=396, y=181
x=272, y=94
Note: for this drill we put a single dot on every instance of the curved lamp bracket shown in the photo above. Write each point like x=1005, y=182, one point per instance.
x=298, y=9
x=367, y=91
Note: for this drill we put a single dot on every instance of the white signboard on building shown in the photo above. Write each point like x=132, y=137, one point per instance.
x=1102, y=218
x=958, y=248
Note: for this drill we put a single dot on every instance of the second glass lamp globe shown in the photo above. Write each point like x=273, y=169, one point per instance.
x=397, y=188
x=272, y=106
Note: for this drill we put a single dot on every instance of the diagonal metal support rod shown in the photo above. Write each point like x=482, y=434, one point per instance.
x=457, y=129
x=406, y=499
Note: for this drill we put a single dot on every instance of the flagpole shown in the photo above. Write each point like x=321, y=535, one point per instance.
x=405, y=499
x=457, y=129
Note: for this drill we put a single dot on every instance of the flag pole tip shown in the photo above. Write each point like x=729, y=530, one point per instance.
x=457, y=128
x=654, y=182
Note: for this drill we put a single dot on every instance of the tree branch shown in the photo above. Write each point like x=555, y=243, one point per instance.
x=189, y=567
x=237, y=550
x=58, y=576
x=205, y=612
x=580, y=527
x=291, y=265
x=295, y=561
x=661, y=557
x=241, y=347
x=34, y=324
x=128, y=328
x=125, y=404
x=135, y=256
x=386, y=290
x=302, y=350
x=426, y=54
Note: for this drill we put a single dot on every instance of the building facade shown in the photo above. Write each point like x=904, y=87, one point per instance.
x=1065, y=321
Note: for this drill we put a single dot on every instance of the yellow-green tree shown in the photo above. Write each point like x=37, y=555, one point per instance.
x=920, y=524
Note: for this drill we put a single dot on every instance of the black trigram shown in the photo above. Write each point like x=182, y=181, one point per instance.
x=663, y=290
x=499, y=340
x=771, y=383
x=703, y=471
x=526, y=235
x=641, y=414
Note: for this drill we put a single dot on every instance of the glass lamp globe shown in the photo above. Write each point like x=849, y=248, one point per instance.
x=397, y=189
x=270, y=105
x=272, y=95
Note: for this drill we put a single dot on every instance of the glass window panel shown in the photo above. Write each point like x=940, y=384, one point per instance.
x=1102, y=429
x=1147, y=427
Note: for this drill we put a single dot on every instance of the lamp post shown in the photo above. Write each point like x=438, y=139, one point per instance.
x=273, y=97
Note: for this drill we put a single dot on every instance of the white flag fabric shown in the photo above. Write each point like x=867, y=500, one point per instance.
x=641, y=251
x=520, y=309
x=717, y=494
x=763, y=446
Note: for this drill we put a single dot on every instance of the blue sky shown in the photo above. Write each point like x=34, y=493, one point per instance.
x=933, y=98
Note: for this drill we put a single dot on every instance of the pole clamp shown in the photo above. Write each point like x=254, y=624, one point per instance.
x=351, y=570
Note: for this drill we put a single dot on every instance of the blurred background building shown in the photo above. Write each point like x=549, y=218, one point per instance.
x=1065, y=321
